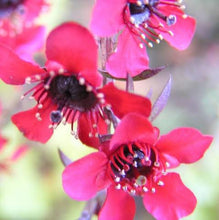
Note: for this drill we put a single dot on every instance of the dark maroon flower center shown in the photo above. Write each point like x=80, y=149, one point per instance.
x=132, y=167
x=141, y=11
x=146, y=20
x=9, y=4
x=66, y=92
x=68, y=96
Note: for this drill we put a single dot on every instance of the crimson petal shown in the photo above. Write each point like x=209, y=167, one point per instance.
x=31, y=127
x=30, y=41
x=107, y=17
x=80, y=179
x=14, y=70
x=187, y=145
x=172, y=201
x=73, y=46
x=183, y=29
x=133, y=127
x=34, y=8
x=128, y=53
x=85, y=127
x=119, y=205
x=123, y=102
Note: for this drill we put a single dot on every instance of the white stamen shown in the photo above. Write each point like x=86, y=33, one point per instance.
x=28, y=80
x=46, y=87
x=145, y=189
x=182, y=7
x=136, y=25
x=157, y=41
x=143, y=36
x=100, y=95
x=147, y=158
x=125, y=188
x=167, y=164
x=107, y=121
x=102, y=101
x=160, y=183
x=64, y=121
x=118, y=186
x=132, y=20
x=161, y=25
x=146, y=25
x=133, y=191
x=81, y=81
x=185, y=16
x=90, y=134
x=141, y=45
x=61, y=71
x=40, y=106
x=108, y=106
x=171, y=33
x=150, y=44
x=50, y=126
x=89, y=88
x=135, y=155
x=38, y=77
x=52, y=73
x=122, y=173
x=160, y=37
x=117, y=179
x=139, y=3
x=37, y=115
x=135, y=164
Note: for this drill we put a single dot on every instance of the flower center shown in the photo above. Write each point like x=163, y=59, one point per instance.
x=142, y=10
x=66, y=91
x=70, y=95
x=147, y=20
x=134, y=168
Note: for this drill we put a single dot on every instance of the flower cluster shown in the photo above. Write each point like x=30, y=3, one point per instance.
x=140, y=23
x=131, y=158
x=18, y=27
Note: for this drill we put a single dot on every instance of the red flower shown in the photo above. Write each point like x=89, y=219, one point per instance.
x=26, y=43
x=67, y=88
x=136, y=163
x=15, y=15
x=17, y=28
x=142, y=22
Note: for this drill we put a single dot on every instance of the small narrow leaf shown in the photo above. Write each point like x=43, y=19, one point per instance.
x=148, y=73
x=161, y=100
x=65, y=160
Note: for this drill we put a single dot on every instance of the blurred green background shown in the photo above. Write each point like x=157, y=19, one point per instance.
x=33, y=189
